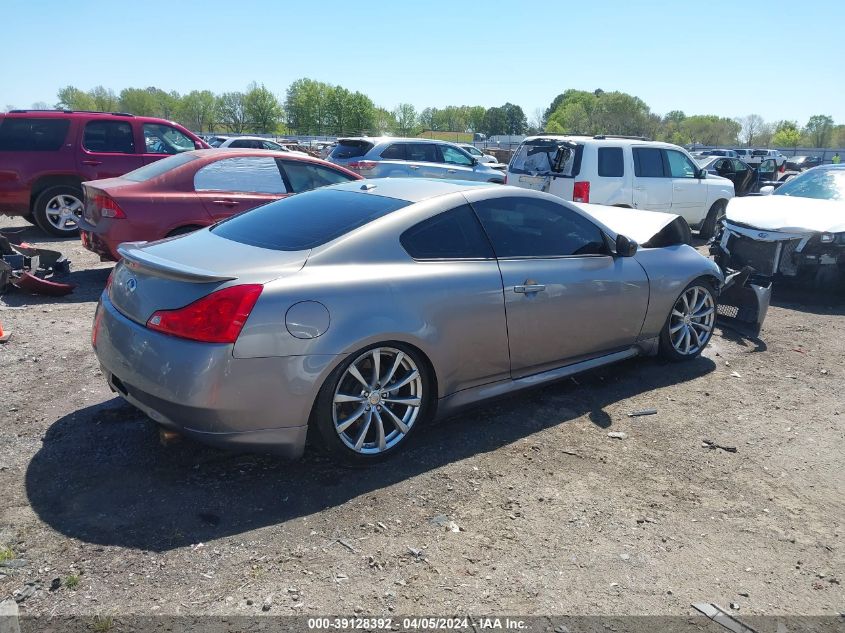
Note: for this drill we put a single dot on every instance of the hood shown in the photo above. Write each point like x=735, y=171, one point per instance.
x=641, y=226
x=789, y=214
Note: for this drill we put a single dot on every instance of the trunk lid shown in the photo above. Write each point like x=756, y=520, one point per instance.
x=172, y=273
x=93, y=190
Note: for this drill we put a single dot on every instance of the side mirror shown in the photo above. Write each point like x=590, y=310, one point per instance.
x=700, y=173
x=198, y=145
x=767, y=190
x=625, y=247
x=474, y=161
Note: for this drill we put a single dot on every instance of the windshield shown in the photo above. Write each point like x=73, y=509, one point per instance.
x=824, y=184
x=156, y=169
x=538, y=157
x=306, y=220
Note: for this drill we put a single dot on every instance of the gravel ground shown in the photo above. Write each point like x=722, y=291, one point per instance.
x=524, y=506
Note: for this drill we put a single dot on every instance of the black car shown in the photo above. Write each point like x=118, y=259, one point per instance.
x=800, y=163
x=746, y=178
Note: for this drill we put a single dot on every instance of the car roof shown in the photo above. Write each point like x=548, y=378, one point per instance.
x=249, y=138
x=83, y=114
x=375, y=140
x=599, y=139
x=411, y=189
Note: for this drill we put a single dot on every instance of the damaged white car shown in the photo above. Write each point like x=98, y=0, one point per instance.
x=795, y=232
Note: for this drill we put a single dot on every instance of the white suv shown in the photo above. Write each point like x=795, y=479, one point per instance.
x=622, y=172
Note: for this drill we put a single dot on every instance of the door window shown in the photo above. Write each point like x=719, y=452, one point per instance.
x=610, y=162
x=453, y=234
x=527, y=227
x=252, y=174
x=679, y=165
x=648, y=162
x=108, y=137
x=738, y=165
x=163, y=139
x=394, y=152
x=304, y=176
x=422, y=152
x=454, y=156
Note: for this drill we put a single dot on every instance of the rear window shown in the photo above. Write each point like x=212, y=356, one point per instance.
x=32, y=135
x=539, y=157
x=610, y=162
x=156, y=169
x=351, y=149
x=759, y=152
x=306, y=220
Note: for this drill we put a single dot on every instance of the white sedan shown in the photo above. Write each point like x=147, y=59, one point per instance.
x=478, y=155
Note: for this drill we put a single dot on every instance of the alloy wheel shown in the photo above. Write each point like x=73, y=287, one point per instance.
x=692, y=320
x=377, y=400
x=63, y=211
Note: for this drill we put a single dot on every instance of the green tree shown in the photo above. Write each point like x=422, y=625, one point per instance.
x=138, y=101
x=232, y=109
x=786, y=134
x=819, y=130
x=428, y=119
x=337, y=110
x=362, y=114
x=495, y=122
x=167, y=103
x=406, y=119
x=263, y=109
x=305, y=105
x=71, y=98
x=515, y=119
x=198, y=111
x=104, y=99
x=384, y=121
x=475, y=118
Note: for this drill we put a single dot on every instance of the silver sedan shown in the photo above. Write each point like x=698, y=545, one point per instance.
x=366, y=308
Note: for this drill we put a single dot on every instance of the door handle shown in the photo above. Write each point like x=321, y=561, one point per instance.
x=226, y=203
x=639, y=188
x=529, y=288
x=93, y=163
x=450, y=171
x=413, y=166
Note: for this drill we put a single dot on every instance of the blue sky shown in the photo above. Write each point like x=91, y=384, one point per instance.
x=782, y=60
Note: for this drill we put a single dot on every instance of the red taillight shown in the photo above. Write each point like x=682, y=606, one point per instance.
x=361, y=164
x=783, y=168
x=581, y=191
x=108, y=207
x=215, y=318
x=98, y=317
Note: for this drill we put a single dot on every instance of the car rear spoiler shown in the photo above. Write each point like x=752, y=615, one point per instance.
x=136, y=257
x=742, y=304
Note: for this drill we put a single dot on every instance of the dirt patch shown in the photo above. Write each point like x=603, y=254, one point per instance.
x=552, y=515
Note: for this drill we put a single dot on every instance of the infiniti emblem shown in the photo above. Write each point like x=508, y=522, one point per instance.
x=762, y=235
x=131, y=284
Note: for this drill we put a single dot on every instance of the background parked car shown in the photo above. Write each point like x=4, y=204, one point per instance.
x=622, y=171
x=185, y=192
x=362, y=310
x=800, y=163
x=391, y=157
x=797, y=232
x=746, y=178
x=45, y=155
x=759, y=155
x=744, y=154
x=480, y=156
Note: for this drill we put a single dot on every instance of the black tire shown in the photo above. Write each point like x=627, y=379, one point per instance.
x=42, y=214
x=184, y=230
x=666, y=349
x=716, y=213
x=341, y=381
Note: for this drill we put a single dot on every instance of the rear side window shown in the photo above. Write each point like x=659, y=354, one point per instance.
x=159, y=167
x=351, y=149
x=251, y=174
x=422, y=152
x=307, y=220
x=32, y=135
x=108, y=137
x=304, y=176
x=394, y=152
x=454, y=234
x=610, y=162
x=648, y=162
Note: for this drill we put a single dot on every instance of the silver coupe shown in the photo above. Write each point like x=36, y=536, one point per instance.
x=364, y=309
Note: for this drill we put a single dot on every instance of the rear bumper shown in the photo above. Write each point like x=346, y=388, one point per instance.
x=202, y=391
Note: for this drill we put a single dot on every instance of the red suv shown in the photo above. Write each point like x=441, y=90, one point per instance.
x=46, y=155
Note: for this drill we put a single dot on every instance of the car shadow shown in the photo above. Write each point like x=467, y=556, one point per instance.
x=803, y=298
x=89, y=284
x=33, y=235
x=102, y=476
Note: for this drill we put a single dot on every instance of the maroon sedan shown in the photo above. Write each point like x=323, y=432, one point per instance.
x=191, y=190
